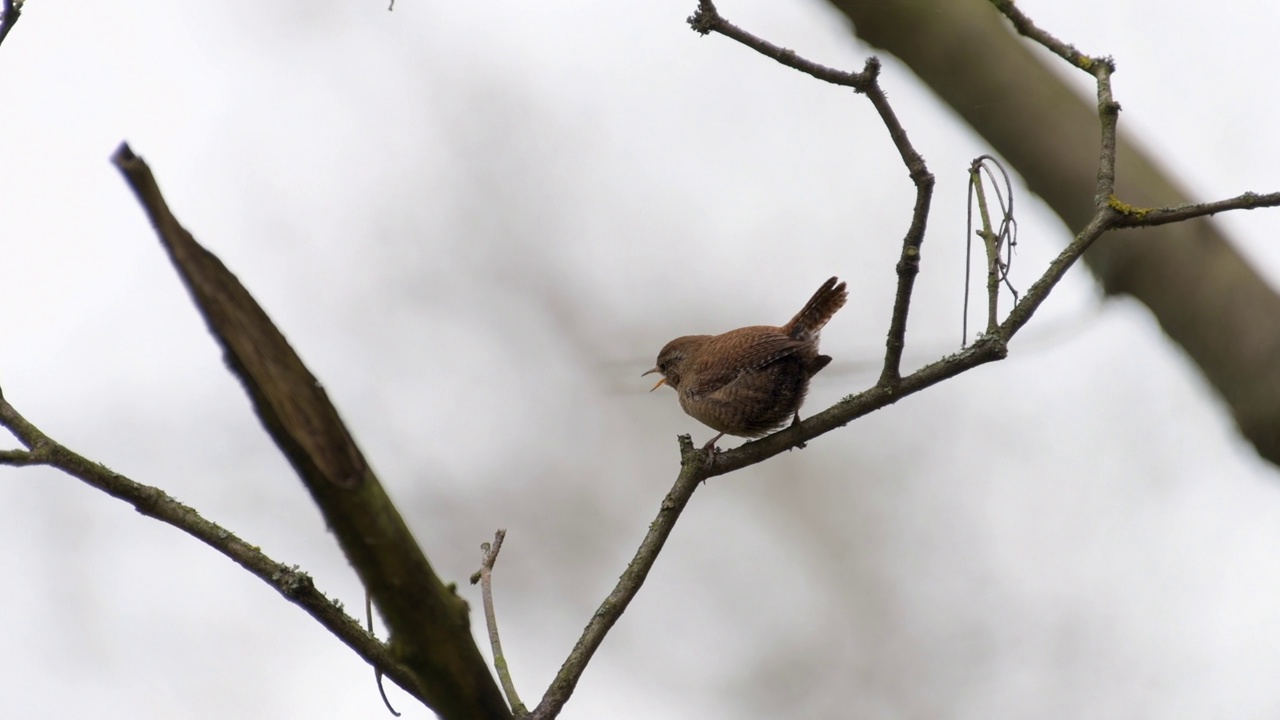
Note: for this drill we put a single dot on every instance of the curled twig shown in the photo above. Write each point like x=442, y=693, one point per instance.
x=995, y=238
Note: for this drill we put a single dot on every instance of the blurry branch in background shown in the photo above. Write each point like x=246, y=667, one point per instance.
x=10, y=11
x=1107, y=213
x=1205, y=296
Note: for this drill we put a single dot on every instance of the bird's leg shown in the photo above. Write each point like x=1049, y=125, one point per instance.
x=796, y=421
x=710, y=448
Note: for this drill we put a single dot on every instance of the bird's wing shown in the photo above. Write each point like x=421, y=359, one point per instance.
x=728, y=365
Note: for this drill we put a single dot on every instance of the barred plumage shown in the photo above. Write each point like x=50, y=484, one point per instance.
x=750, y=381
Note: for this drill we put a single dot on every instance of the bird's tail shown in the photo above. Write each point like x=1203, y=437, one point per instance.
x=815, y=313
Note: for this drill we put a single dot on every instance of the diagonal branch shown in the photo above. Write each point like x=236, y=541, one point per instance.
x=1132, y=217
x=429, y=624
x=293, y=584
x=692, y=473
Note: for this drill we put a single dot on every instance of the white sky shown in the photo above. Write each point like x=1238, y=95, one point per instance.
x=477, y=222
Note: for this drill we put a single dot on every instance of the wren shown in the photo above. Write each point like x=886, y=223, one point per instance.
x=750, y=381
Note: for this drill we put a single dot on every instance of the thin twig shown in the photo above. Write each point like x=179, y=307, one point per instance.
x=295, y=585
x=1025, y=27
x=909, y=261
x=706, y=19
x=1132, y=217
x=995, y=238
x=485, y=577
x=1007, y=231
x=989, y=241
x=377, y=671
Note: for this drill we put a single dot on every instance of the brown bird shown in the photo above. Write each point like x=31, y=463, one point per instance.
x=750, y=381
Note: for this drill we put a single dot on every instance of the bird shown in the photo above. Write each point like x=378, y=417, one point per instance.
x=750, y=381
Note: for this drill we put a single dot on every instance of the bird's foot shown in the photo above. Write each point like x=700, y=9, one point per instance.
x=796, y=421
x=710, y=450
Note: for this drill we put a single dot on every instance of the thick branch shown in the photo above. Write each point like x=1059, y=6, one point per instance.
x=430, y=630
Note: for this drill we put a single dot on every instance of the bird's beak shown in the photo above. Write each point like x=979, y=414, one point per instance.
x=660, y=382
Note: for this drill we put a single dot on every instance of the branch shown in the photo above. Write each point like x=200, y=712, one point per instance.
x=706, y=19
x=484, y=576
x=294, y=585
x=692, y=472
x=1132, y=217
x=428, y=622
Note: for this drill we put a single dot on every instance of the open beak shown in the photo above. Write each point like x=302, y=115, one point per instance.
x=661, y=382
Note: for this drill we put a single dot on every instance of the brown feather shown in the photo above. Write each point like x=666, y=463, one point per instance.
x=818, y=311
x=752, y=380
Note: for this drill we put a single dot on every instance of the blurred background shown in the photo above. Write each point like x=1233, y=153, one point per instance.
x=478, y=223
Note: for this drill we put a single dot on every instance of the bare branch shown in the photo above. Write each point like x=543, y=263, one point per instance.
x=692, y=472
x=377, y=672
x=293, y=584
x=428, y=622
x=708, y=20
x=485, y=577
x=1132, y=217
x=1066, y=51
x=995, y=238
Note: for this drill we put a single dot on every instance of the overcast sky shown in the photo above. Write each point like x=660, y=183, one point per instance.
x=477, y=223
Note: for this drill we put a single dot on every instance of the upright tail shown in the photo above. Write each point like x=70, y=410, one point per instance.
x=815, y=313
